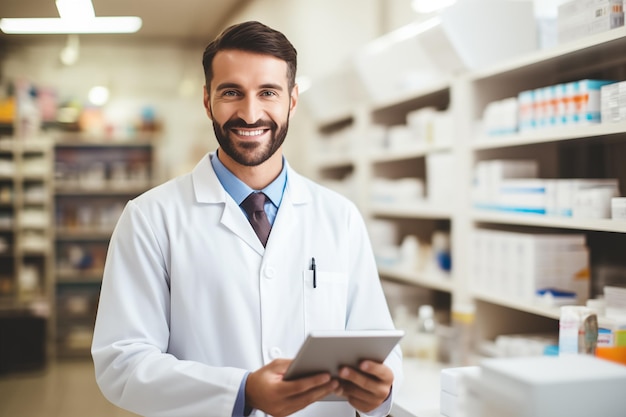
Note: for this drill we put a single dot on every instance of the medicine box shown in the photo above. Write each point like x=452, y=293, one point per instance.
x=453, y=391
x=518, y=265
x=528, y=196
x=548, y=386
x=568, y=189
x=440, y=168
x=579, y=18
x=488, y=176
x=613, y=102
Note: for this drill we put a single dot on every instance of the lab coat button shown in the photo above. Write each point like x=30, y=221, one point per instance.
x=270, y=272
x=275, y=352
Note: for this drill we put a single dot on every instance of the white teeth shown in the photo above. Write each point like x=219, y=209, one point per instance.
x=249, y=132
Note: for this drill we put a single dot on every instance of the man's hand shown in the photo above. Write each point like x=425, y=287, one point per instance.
x=267, y=391
x=368, y=387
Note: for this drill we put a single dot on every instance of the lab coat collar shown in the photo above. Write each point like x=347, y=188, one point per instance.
x=209, y=190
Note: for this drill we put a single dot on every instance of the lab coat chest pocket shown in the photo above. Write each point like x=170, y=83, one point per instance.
x=325, y=304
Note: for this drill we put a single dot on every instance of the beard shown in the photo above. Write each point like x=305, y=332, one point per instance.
x=250, y=153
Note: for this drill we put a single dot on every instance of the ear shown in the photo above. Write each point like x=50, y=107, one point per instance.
x=293, y=100
x=207, y=102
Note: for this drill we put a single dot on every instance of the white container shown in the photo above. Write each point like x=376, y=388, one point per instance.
x=618, y=208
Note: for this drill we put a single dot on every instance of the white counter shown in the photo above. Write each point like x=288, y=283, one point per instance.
x=419, y=394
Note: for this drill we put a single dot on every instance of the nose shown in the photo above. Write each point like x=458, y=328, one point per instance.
x=250, y=110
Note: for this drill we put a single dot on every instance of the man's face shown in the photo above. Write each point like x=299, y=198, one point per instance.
x=250, y=105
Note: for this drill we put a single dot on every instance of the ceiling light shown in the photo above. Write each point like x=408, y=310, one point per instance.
x=77, y=16
x=98, y=95
x=39, y=26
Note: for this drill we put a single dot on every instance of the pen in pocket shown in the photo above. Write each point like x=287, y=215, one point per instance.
x=314, y=269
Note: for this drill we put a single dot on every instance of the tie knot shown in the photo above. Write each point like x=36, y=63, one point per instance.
x=254, y=202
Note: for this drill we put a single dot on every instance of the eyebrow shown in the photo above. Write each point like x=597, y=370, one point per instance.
x=225, y=86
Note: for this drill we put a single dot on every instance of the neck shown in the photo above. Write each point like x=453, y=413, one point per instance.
x=255, y=177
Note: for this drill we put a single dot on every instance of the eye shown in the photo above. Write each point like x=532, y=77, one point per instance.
x=269, y=93
x=230, y=93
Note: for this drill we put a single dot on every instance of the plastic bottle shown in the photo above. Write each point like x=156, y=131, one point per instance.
x=427, y=344
x=463, y=316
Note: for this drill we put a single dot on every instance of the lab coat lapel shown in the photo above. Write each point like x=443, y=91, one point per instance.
x=296, y=194
x=235, y=220
x=209, y=190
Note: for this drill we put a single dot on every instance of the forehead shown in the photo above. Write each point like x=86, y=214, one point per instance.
x=248, y=69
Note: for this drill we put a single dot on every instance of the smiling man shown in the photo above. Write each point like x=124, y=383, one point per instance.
x=208, y=289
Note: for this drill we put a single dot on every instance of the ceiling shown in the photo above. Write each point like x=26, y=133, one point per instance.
x=176, y=20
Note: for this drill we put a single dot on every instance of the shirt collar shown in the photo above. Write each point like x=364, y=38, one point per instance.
x=239, y=190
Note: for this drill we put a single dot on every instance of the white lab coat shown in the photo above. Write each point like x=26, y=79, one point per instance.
x=191, y=300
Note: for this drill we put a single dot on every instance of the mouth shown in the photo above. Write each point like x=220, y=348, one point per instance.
x=251, y=133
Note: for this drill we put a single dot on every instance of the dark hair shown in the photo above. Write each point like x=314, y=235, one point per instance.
x=252, y=37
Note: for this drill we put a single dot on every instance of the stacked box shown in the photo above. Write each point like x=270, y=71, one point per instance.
x=613, y=102
x=576, y=102
x=547, y=386
x=490, y=174
x=587, y=103
x=520, y=265
x=569, y=191
x=579, y=18
x=452, y=394
x=528, y=196
x=440, y=168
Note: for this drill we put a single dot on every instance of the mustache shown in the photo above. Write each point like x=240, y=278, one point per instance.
x=241, y=124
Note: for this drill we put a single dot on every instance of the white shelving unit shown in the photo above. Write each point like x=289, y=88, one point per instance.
x=570, y=152
x=94, y=179
x=27, y=254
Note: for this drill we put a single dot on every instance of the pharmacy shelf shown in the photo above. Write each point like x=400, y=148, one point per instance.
x=600, y=225
x=582, y=151
x=335, y=161
x=83, y=234
x=95, y=178
x=30, y=253
x=612, y=41
x=339, y=118
x=436, y=281
x=387, y=155
x=414, y=210
x=554, y=134
x=61, y=190
x=73, y=276
x=421, y=93
x=549, y=312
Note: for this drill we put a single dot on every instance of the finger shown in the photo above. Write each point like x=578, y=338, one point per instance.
x=361, y=386
x=378, y=370
x=301, y=385
x=301, y=400
x=357, y=378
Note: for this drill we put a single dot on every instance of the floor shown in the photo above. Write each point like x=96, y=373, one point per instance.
x=64, y=389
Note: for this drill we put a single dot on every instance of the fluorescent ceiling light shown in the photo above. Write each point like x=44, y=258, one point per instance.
x=39, y=26
x=77, y=16
x=75, y=9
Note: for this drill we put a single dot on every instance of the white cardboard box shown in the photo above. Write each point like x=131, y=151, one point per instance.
x=548, y=386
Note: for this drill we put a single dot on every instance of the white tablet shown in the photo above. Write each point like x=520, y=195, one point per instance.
x=326, y=351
